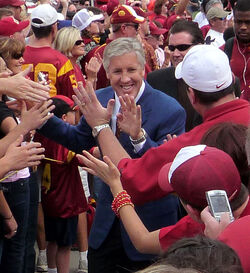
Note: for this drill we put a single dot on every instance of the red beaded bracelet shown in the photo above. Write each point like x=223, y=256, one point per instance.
x=120, y=200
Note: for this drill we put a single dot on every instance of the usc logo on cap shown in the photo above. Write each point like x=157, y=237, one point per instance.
x=121, y=13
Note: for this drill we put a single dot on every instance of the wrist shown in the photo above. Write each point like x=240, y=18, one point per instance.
x=138, y=135
x=141, y=137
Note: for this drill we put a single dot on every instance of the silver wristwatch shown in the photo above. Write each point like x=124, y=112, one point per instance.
x=141, y=139
x=97, y=129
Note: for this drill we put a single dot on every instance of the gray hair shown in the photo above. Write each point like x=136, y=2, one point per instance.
x=123, y=46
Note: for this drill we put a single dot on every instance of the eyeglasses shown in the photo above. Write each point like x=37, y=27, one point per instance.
x=136, y=26
x=181, y=47
x=79, y=42
x=221, y=19
x=17, y=56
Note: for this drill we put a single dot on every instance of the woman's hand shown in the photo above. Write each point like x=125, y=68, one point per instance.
x=105, y=169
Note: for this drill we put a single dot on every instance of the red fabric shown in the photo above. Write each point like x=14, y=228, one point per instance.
x=205, y=30
x=187, y=227
x=238, y=66
x=140, y=176
x=55, y=65
x=62, y=190
x=237, y=236
x=79, y=75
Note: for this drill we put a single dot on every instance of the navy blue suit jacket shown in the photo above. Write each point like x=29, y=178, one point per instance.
x=161, y=115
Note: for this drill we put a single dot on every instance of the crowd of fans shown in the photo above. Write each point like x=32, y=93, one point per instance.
x=117, y=116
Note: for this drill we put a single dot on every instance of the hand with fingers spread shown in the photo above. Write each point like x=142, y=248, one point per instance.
x=37, y=115
x=106, y=170
x=21, y=88
x=94, y=113
x=129, y=119
x=213, y=228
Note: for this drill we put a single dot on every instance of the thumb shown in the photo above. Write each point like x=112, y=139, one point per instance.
x=23, y=106
x=5, y=74
x=110, y=107
x=26, y=71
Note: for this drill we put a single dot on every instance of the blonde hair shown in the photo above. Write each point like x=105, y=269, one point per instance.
x=65, y=40
x=10, y=46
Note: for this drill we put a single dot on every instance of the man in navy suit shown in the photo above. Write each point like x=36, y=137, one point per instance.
x=110, y=249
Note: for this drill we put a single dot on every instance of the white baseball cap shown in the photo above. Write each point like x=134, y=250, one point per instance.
x=46, y=14
x=84, y=18
x=205, y=68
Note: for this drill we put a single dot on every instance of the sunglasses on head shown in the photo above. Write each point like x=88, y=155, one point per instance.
x=181, y=47
x=79, y=42
x=17, y=56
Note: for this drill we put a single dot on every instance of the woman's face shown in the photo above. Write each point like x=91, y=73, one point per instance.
x=78, y=49
x=3, y=66
x=15, y=62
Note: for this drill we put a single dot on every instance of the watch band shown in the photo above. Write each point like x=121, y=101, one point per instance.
x=97, y=129
x=140, y=140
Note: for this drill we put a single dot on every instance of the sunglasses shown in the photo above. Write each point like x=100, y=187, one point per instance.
x=181, y=47
x=136, y=26
x=222, y=19
x=79, y=42
x=100, y=21
x=17, y=56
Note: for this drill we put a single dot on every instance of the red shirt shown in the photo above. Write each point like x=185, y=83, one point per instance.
x=62, y=190
x=240, y=66
x=55, y=65
x=139, y=176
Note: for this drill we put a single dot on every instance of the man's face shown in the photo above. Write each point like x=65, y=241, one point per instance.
x=218, y=24
x=242, y=26
x=125, y=74
x=176, y=39
x=130, y=29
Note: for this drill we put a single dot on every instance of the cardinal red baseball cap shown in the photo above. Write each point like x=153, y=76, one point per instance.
x=14, y=3
x=154, y=30
x=9, y=26
x=197, y=169
x=125, y=14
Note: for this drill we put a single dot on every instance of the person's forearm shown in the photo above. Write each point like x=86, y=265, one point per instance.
x=110, y=146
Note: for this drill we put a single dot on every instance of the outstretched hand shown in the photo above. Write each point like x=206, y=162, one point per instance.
x=105, y=169
x=129, y=119
x=94, y=113
x=21, y=88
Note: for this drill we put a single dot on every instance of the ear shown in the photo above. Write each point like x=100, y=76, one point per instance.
x=64, y=117
x=194, y=213
x=191, y=95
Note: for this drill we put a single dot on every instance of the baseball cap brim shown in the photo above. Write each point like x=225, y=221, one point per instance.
x=163, y=180
x=178, y=70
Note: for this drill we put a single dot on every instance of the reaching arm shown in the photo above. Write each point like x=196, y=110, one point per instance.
x=143, y=240
x=95, y=114
x=21, y=88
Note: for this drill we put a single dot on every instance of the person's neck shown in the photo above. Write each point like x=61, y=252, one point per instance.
x=73, y=59
x=47, y=41
x=237, y=213
x=221, y=101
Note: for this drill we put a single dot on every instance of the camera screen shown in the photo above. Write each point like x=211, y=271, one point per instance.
x=219, y=203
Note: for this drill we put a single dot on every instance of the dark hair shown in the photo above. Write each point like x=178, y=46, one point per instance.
x=41, y=32
x=95, y=10
x=190, y=27
x=61, y=107
x=242, y=5
x=230, y=138
x=203, y=254
x=211, y=97
x=158, y=6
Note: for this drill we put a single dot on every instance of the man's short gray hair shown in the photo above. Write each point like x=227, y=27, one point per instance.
x=123, y=46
